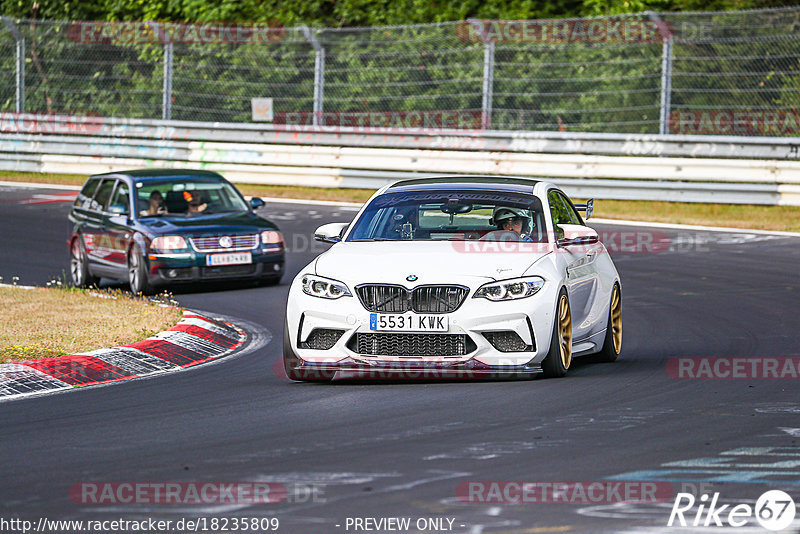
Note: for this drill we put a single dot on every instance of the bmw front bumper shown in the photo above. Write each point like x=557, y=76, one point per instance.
x=475, y=322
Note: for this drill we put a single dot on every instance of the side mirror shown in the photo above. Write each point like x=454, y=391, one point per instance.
x=576, y=234
x=330, y=233
x=118, y=209
x=256, y=203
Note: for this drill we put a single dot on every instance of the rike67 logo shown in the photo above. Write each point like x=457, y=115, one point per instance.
x=774, y=510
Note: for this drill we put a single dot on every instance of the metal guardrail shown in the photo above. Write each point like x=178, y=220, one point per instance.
x=696, y=146
x=640, y=167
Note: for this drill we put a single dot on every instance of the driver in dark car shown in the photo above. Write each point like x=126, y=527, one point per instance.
x=197, y=203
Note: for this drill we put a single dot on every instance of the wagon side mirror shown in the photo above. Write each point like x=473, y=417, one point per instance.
x=118, y=209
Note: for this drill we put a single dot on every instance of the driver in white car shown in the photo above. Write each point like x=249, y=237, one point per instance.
x=513, y=220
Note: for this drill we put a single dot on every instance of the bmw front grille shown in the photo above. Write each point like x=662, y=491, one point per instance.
x=388, y=298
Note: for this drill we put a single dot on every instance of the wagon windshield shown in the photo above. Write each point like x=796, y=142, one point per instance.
x=449, y=215
x=187, y=197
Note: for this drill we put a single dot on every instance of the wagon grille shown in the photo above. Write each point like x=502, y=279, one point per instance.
x=227, y=270
x=411, y=344
x=424, y=299
x=212, y=243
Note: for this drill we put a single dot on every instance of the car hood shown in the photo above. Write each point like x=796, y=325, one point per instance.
x=430, y=262
x=214, y=223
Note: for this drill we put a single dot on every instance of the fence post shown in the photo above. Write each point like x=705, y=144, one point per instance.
x=319, y=73
x=166, y=100
x=666, y=71
x=20, y=63
x=488, y=85
x=666, y=85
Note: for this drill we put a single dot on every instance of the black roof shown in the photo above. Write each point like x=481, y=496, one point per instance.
x=487, y=183
x=144, y=175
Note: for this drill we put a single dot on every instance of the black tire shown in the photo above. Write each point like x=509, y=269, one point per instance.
x=79, y=265
x=137, y=272
x=559, y=357
x=612, y=343
x=291, y=361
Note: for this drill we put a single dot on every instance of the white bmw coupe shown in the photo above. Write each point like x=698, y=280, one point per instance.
x=455, y=276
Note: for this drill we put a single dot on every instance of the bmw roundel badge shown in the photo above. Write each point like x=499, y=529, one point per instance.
x=412, y=278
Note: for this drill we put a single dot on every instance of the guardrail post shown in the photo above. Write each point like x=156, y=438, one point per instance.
x=20, y=63
x=666, y=71
x=166, y=100
x=488, y=85
x=319, y=73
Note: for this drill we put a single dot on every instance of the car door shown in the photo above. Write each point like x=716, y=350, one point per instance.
x=82, y=207
x=116, y=228
x=92, y=227
x=582, y=276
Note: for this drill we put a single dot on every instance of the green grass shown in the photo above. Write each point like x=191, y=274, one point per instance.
x=54, y=321
x=781, y=218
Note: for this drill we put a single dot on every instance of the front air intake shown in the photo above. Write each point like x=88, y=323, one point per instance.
x=507, y=341
x=387, y=344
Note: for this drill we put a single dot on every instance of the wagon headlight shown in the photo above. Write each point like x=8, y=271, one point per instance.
x=317, y=286
x=272, y=239
x=168, y=243
x=517, y=288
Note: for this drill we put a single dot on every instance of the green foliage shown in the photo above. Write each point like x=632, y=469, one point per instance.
x=723, y=61
x=346, y=13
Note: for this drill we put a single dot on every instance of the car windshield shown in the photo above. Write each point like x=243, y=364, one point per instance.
x=187, y=197
x=451, y=215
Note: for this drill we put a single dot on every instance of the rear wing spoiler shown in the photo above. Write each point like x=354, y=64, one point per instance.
x=587, y=207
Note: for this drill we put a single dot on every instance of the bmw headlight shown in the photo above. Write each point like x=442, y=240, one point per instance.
x=517, y=288
x=317, y=286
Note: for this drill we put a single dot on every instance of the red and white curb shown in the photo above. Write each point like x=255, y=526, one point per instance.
x=194, y=340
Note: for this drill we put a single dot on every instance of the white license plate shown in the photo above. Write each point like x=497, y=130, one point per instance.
x=382, y=322
x=233, y=258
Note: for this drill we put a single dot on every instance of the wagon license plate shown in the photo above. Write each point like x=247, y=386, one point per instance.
x=381, y=322
x=233, y=258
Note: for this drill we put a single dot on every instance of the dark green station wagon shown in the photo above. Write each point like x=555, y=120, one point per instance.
x=157, y=227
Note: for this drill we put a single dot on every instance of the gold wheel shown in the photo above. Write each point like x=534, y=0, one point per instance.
x=616, y=320
x=565, y=331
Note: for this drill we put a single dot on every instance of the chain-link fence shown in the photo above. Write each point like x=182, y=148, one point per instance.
x=705, y=73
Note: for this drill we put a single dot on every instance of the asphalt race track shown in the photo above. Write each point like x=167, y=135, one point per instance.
x=404, y=449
